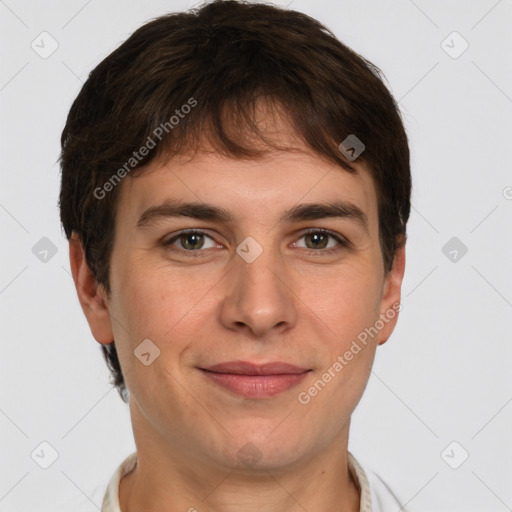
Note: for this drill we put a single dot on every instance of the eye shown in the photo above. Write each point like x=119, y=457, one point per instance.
x=191, y=240
x=322, y=240
x=318, y=241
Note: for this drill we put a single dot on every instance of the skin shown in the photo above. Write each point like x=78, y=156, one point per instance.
x=292, y=304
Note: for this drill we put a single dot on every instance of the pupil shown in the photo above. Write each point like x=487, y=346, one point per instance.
x=320, y=239
x=192, y=241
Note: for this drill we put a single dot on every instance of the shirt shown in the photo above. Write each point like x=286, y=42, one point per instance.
x=375, y=494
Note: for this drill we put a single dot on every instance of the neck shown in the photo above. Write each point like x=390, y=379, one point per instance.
x=170, y=478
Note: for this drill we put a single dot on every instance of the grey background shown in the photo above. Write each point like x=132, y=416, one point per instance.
x=444, y=375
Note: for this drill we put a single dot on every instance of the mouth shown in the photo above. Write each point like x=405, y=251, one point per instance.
x=255, y=380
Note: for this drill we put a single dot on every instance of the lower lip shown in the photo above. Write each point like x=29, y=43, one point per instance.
x=256, y=386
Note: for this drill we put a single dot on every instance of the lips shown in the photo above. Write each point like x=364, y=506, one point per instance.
x=255, y=380
x=246, y=368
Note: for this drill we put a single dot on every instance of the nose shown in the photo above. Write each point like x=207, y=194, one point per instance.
x=259, y=297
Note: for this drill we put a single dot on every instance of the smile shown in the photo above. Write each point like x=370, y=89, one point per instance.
x=255, y=381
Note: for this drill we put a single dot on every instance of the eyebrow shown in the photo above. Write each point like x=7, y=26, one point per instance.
x=204, y=211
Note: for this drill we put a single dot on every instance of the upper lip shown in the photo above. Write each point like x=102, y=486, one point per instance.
x=247, y=368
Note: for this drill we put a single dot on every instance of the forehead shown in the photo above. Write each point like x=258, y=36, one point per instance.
x=266, y=185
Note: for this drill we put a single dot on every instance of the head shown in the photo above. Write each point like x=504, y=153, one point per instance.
x=253, y=110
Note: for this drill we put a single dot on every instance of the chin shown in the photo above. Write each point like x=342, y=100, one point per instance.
x=259, y=451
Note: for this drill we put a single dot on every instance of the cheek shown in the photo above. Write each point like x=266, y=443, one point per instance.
x=349, y=307
x=163, y=305
x=150, y=304
x=347, y=302
x=153, y=300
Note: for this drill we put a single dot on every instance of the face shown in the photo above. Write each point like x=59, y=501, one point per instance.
x=260, y=276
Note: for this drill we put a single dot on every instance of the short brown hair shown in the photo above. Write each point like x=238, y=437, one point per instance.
x=224, y=56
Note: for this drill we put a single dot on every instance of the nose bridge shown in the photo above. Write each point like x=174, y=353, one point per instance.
x=260, y=275
x=258, y=296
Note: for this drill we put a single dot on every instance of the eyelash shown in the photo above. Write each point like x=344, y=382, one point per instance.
x=342, y=242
